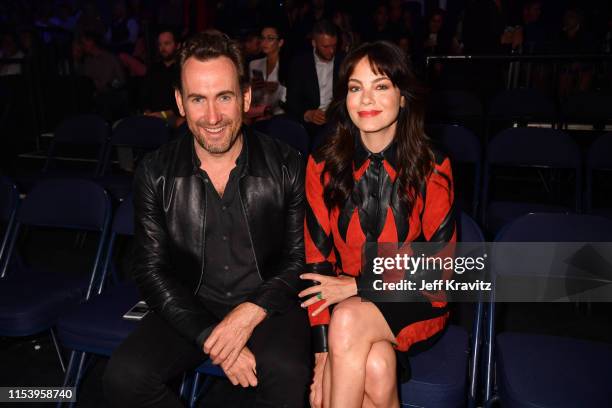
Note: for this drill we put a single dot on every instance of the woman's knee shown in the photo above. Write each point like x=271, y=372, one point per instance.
x=344, y=326
x=381, y=374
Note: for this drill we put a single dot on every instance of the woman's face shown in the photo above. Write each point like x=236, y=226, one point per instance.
x=270, y=42
x=373, y=102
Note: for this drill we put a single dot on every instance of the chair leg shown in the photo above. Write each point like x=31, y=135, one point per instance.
x=68, y=376
x=193, y=396
x=57, y=350
x=79, y=373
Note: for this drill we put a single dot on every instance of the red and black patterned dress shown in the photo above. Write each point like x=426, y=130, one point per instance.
x=374, y=213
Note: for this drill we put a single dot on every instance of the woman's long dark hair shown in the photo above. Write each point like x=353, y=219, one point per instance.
x=414, y=159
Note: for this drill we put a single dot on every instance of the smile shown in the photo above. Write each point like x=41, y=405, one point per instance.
x=368, y=114
x=214, y=130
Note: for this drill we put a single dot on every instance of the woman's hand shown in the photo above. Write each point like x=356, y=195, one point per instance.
x=316, y=388
x=331, y=289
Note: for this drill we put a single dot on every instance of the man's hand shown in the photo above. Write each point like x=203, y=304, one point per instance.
x=316, y=116
x=243, y=371
x=316, y=388
x=231, y=334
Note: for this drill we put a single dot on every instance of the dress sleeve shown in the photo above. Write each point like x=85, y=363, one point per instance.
x=318, y=246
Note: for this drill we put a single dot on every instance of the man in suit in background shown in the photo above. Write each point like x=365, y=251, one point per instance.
x=311, y=81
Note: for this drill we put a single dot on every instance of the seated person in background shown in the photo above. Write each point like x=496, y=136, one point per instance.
x=311, y=80
x=376, y=180
x=267, y=73
x=219, y=246
x=158, y=91
x=107, y=74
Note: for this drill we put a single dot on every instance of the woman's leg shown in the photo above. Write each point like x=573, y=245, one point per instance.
x=354, y=328
x=381, y=377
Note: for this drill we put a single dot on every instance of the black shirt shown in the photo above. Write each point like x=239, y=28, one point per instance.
x=158, y=92
x=230, y=272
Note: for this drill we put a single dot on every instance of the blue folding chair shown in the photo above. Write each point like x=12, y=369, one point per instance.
x=599, y=157
x=522, y=105
x=82, y=130
x=441, y=374
x=454, y=106
x=592, y=108
x=9, y=200
x=83, y=135
x=138, y=133
x=533, y=370
x=528, y=147
x=463, y=147
x=97, y=326
x=287, y=130
x=31, y=299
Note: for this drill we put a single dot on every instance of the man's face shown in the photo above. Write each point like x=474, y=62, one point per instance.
x=166, y=46
x=435, y=24
x=213, y=103
x=325, y=46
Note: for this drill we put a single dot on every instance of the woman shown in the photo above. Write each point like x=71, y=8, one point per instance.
x=375, y=180
x=266, y=75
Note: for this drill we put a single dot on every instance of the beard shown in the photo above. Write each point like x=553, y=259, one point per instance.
x=221, y=146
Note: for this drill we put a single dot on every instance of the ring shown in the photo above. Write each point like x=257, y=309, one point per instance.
x=320, y=296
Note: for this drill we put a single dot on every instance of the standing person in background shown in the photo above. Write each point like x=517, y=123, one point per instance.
x=311, y=80
x=268, y=74
x=376, y=180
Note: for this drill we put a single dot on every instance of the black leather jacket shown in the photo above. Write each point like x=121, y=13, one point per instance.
x=170, y=208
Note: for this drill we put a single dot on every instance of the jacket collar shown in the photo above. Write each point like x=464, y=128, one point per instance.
x=361, y=154
x=252, y=155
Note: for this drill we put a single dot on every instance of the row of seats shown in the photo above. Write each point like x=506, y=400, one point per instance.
x=543, y=149
x=86, y=311
x=521, y=105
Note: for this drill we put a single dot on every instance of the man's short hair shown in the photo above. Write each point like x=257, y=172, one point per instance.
x=325, y=27
x=169, y=30
x=205, y=46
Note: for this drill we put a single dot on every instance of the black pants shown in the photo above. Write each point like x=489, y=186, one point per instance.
x=155, y=353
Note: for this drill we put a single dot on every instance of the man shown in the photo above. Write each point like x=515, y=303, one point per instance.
x=106, y=73
x=219, y=248
x=311, y=79
x=158, y=92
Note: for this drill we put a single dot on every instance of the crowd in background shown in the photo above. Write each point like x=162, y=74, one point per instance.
x=127, y=49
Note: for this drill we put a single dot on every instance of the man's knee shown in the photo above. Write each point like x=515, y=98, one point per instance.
x=126, y=381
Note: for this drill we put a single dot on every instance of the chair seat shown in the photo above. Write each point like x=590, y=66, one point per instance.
x=97, y=326
x=209, y=368
x=439, y=375
x=548, y=371
x=32, y=302
x=499, y=213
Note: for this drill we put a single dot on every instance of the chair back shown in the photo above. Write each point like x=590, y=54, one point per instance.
x=454, y=105
x=534, y=147
x=146, y=132
x=521, y=104
x=287, y=130
x=81, y=130
x=66, y=203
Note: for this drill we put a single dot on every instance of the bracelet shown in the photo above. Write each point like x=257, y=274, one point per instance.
x=164, y=115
